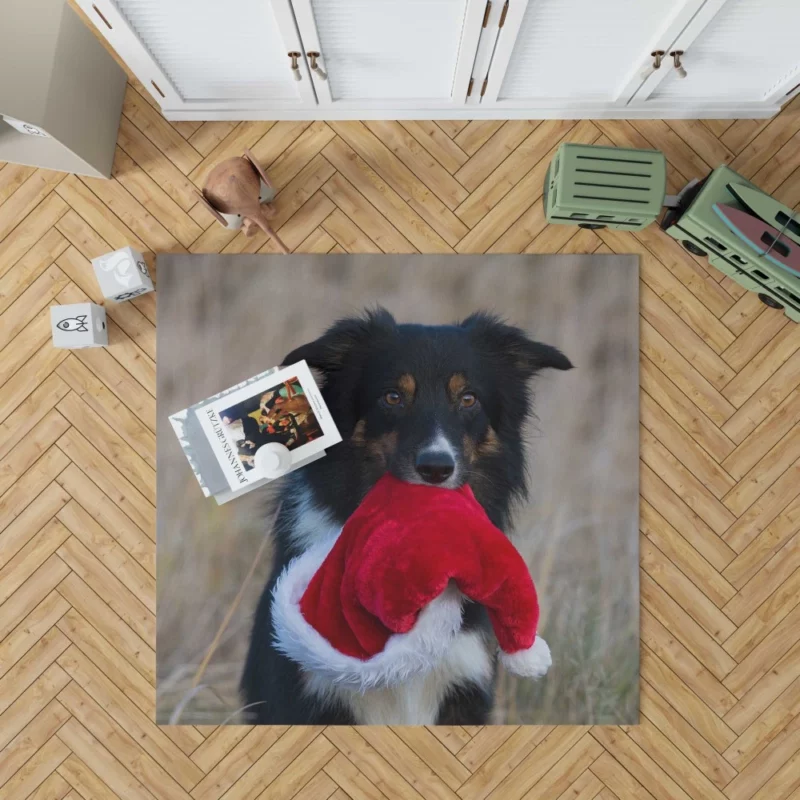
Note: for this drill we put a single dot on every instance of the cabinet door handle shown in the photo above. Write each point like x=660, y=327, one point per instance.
x=676, y=60
x=658, y=56
x=312, y=57
x=295, y=66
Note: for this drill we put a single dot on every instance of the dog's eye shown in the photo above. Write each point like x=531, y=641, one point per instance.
x=468, y=400
x=393, y=398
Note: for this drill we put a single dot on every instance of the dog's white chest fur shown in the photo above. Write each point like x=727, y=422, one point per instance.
x=417, y=701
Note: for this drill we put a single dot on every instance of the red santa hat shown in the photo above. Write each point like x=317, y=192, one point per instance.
x=383, y=602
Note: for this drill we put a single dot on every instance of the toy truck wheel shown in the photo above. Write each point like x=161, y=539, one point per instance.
x=770, y=301
x=693, y=248
x=592, y=226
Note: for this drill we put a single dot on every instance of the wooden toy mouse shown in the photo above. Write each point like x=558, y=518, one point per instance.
x=237, y=193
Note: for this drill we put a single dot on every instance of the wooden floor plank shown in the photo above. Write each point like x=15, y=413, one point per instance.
x=683, y=591
x=632, y=757
x=209, y=135
x=301, y=149
x=768, y=580
x=138, y=724
x=681, y=735
x=402, y=181
x=681, y=409
x=31, y=738
x=38, y=548
x=37, y=770
x=347, y=234
x=92, y=607
x=159, y=131
x=420, y=162
x=152, y=197
x=493, y=152
x=377, y=228
x=511, y=171
x=231, y=766
x=767, y=523
x=12, y=176
x=132, y=610
x=120, y=745
x=31, y=521
x=515, y=184
x=30, y=630
x=475, y=134
x=84, y=782
x=692, y=635
x=30, y=267
x=437, y=143
x=30, y=230
x=25, y=199
x=685, y=702
x=684, y=519
x=167, y=176
x=31, y=702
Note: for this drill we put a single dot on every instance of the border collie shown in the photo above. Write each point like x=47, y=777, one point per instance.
x=439, y=404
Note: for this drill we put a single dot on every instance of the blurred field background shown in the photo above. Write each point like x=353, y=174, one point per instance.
x=222, y=319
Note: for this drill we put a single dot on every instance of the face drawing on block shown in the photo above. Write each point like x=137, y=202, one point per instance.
x=121, y=265
x=77, y=324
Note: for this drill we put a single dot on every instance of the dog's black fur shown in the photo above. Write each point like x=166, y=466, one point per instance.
x=393, y=390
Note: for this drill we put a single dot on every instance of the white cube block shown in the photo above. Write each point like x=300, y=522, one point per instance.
x=79, y=325
x=122, y=275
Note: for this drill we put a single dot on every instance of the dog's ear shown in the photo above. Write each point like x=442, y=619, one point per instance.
x=342, y=340
x=511, y=345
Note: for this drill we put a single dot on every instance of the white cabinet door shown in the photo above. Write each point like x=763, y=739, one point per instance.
x=391, y=53
x=746, y=51
x=576, y=54
x=206, y=53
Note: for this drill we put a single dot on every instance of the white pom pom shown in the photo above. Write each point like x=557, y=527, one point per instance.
x=531, y=663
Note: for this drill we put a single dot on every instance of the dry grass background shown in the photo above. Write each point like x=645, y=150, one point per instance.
x=224, y=318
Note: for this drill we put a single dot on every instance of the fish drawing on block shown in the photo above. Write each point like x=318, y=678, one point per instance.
x=74, y=324
x=763, y=238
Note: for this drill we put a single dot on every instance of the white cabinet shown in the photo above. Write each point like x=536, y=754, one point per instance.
x=736, y=51
x=338, y=59
x=390, y=53
x=573, y=54
x=207, y=54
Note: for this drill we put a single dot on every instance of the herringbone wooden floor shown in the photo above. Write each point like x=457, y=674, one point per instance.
x=720, y=445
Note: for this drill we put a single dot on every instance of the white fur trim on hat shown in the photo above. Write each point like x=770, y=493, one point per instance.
x=531, y=663
x=404, y=656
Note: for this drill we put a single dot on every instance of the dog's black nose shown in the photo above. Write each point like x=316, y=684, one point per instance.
x=435, y=466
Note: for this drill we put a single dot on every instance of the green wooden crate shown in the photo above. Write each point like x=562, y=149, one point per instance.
x=599, y=187
x=700, y=230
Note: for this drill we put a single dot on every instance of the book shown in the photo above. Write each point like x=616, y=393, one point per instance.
x=281, y=408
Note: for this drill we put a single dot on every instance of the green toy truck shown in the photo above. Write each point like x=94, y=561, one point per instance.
x=700, y=230
x=612, y=187
x=605, y=187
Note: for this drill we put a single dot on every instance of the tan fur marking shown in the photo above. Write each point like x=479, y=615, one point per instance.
x=456, y=385
x=358, y=432
x=384, y=446
x=408, y=386
x=470, y=448
x=490, y=445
